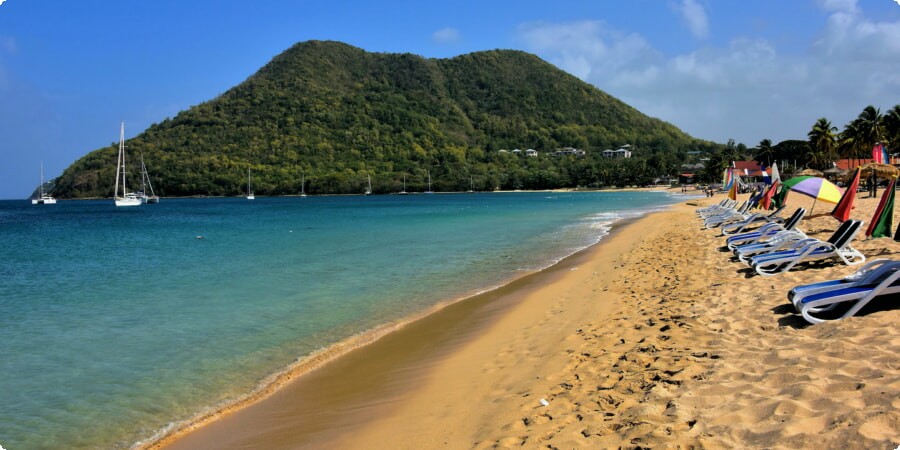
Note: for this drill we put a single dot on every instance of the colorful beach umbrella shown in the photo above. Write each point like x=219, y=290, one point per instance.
x=883, y=220
x=842, y=210
x=815, y=187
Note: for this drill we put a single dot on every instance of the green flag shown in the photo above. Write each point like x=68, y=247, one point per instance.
x=885, y=221
x=781, y=197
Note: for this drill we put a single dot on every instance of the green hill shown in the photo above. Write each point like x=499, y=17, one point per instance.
x=335, y=114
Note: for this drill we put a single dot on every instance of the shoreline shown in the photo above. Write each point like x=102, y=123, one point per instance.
x=626, y=189
x=306, y=365
x=650, y=338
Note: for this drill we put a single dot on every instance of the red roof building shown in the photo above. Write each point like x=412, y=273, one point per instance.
x=847, y=164
x=750, y=169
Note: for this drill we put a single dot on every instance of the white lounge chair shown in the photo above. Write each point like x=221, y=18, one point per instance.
x=837, y=246
x=766, y=231
x=730, y=206
x=728, y=216
x=879, y=278
x=751, y=220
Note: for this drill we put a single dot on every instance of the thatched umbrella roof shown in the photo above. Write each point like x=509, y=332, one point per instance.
x=883, y=171
x=808, y=173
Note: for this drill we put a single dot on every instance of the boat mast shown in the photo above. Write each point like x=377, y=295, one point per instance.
x=122, y=151
x=41, y=187
x=119, y=162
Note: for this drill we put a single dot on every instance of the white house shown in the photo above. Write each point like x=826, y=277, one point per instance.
x=569, y=151
x=531, y=152
x=623, y=152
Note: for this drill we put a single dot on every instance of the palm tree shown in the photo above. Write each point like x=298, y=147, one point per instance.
x=892, y=128
x=870, y=127
x=849, y=141
x=764, y=152
x=822, y=140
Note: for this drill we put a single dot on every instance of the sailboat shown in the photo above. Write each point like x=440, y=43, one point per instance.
x=471, y=184
x=403, y=192
x=127, y=198
x=250, y=195
x=369, y=190
x=302, y=182
x=429, y=191
x=44, y=199
x=145, y=184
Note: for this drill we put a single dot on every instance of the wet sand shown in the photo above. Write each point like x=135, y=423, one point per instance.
x=651, y=338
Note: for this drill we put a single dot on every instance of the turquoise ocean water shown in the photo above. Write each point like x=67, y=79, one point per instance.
x=115, y=323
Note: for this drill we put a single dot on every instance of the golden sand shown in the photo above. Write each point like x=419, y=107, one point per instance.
x=653, y=338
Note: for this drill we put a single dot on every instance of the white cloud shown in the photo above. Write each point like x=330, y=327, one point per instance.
x=847, y=6
x=589, y=49
x=695, y=15
x=446, y=35
x=747, y=90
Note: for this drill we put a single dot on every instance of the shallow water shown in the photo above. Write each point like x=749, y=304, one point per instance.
x=114, y=323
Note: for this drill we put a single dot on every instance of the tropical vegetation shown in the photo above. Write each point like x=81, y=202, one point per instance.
x=825, y=144
x=334, y=115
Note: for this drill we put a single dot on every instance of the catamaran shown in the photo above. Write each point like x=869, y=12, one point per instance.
x=369, y=190
x=302, y=182
x=429, y=191
x=403, y=192
x=250, y=195
x=127, y=198
x=44, y=199
x=145, y=184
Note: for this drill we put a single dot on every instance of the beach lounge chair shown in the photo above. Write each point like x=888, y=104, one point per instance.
x=719, y=205
x=783, y=242
x=837, y=246
x=766, y=231
x=729, y=207
x=880, y=278
x=728, y=216
x=868, y=273
x=737, y=227
x=710, y=210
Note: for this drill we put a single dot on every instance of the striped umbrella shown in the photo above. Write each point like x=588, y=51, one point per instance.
x=815, y=187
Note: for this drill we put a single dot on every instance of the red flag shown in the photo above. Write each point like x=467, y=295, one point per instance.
x=876, y=218
x=877, y=154
x=766, y=200
x=842, y=209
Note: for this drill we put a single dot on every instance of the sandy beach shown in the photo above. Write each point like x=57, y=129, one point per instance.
x=652, y=338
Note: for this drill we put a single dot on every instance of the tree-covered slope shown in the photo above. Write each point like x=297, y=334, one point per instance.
x=335, y=114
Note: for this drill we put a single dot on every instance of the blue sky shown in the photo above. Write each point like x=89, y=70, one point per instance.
x=70, y=71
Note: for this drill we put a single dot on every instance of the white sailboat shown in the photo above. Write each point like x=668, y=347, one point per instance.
x=403, y=192
x=127, y=198
x=302, y=182
x=429, y=191
x=471, y=184
x=145, y=184
x=250, y=195
x=369, y=190
x=44, y=199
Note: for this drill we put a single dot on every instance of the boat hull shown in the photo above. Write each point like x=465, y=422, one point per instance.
x=43, y=201
x=128, y=201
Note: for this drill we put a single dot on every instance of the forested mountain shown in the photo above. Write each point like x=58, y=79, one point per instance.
x=335, y=114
